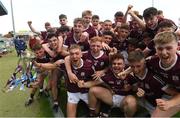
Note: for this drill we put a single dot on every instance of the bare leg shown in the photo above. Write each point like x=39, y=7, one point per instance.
x=55, y=75
x=96, y=94
x=129, y=105
x=71, y=110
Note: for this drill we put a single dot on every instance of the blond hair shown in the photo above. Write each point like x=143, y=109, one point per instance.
x=74, y=46
x=165, y=37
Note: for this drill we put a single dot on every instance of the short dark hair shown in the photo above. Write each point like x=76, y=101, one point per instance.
x=135, y=56
x=119, y=14
x=50, y=35
x=133, y=41
x=63, y=29
x=61, y=16
x=116, y=56
x=167, y=23
x=149, y=12
x=108, y=33
x=146, y=35
x=95, y=17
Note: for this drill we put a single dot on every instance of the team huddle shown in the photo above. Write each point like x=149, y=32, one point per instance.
x=124, y=64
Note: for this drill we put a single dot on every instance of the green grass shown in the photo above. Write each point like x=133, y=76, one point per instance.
x=12, y=103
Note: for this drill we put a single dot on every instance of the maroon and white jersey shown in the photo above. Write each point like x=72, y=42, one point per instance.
x=152, y=84
x=171, y=75
x=100, y=62
x=117, y=84
x=84, y=72
x=72, y=40
x=91, y=31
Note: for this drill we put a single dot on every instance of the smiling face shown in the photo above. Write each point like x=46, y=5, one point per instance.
x=39, y=53
x=96, y=47
x=78, y=27
x=53, y=42
x=138, y=67
x=107, y=38
x=151, y=22
x=118, y=65
x=95, y=22
x=87, y=18
x=123, y=33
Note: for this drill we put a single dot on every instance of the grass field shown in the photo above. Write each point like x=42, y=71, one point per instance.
x=12, y=103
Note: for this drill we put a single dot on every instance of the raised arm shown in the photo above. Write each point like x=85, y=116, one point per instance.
x=135, y=17
x=32, y=28
x=126, y=13
x=48, y=50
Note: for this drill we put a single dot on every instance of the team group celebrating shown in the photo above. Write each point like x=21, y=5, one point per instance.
x=124, y=64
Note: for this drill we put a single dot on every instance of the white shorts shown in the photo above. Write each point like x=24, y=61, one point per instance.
x=117, y=99
x=76, y=97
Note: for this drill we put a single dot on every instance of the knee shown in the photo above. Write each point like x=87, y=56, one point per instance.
x=130, y=101
x=129, y=106
x=94, y=90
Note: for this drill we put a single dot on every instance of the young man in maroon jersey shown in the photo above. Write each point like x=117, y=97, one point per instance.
x=95, y=22
x=97, y=56
x=43, y=34
x=116, y=94
x=167, y=64
x=150, y=85
x=77, y=36
x=40, y=57
x=84, y=71
x=53, y=66
x=87, y=17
